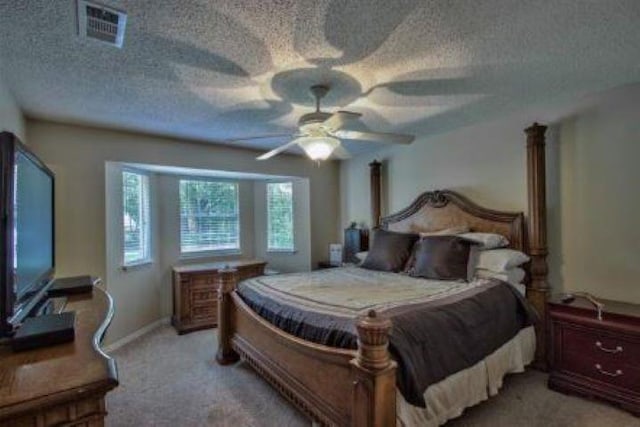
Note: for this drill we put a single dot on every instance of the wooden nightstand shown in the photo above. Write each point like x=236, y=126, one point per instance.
x=195, y=292
x=596, y=358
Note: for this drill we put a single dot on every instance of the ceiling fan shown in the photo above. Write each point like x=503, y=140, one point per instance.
x=319, y=133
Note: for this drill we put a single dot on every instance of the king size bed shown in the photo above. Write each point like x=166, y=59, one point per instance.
x=360, y=347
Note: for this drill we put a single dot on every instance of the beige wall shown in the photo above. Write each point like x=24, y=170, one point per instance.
x=78, y=156
x=11, y=118
x=138, y=291
x=593, y=147
x=595, y=230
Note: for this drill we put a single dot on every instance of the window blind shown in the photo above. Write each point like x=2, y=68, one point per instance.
x=280, y=216
x=136, y=217
x=209, y=216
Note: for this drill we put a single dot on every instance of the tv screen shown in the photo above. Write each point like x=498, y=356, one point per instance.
x=26, y=234
x=32, y=227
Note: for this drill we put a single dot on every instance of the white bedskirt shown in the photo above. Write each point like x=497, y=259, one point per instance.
x=449, y=398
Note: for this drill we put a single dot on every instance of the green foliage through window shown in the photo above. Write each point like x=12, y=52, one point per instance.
x=209, y=219
x=136, y=217
x=280, y=216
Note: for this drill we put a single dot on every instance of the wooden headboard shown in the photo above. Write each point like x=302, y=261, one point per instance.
x=437, y=210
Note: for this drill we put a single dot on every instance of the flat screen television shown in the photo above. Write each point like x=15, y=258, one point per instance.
x=26, y=232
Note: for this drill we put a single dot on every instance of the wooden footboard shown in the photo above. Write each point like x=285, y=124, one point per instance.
x=332, y=386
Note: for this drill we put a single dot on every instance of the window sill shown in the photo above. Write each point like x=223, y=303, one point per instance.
x=136, y=265
x=210, y=254
x=282, y=251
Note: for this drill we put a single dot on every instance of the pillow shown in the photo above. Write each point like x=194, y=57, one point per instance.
x=361, y=256
x=501, y=260
x=441, y=258
x=447, y=231
x=389, y=251
x=487, y=240
x=512, y=276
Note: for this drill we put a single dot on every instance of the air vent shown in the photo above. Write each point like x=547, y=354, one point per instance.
x=99, y=22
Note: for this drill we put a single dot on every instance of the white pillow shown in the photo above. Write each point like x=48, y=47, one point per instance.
x=446, y=231
x=521, y=288
x=362, y=255
x=501, y=260
x=512, y=276
x=487, y=240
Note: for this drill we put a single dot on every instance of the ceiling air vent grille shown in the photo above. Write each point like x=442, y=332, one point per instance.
x=102, y=23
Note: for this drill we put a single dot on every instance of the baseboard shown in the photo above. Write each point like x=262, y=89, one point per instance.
x=137, y=334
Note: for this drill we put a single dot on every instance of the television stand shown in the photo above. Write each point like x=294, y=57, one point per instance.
x=65, y=384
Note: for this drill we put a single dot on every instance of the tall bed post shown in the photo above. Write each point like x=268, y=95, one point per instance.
x=375, y=193
x=227, y=280
x=374, y=374
x=538, y=291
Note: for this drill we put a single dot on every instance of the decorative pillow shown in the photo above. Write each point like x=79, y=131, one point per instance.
x=441, y=258
x=501, y=260
x=512, y=276
x=362, y=255
x=487, y=240
x=389, y=251
x=446, y=231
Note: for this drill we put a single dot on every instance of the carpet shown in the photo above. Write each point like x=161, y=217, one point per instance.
x=174, y=381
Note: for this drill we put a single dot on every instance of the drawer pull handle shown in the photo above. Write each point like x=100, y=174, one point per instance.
x=618, y=349
x=617, y=373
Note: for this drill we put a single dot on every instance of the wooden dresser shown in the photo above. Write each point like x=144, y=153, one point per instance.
x=596, y=358
x=195, y=293
x=65, y=384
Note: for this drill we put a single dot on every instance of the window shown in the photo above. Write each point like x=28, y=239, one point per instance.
x=209, y=219
x=280, y=216
x=136, y=218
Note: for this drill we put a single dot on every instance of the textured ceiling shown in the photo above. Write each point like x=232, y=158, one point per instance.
x=217, y=70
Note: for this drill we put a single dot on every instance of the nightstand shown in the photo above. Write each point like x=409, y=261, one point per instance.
x=596, y=358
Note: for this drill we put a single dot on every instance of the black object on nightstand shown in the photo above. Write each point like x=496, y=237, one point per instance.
x=326, y=264
x=355, y=240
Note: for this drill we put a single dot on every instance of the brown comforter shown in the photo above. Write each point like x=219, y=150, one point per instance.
x=439, y=328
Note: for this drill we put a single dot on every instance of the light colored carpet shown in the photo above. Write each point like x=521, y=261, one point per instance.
x=171, y=380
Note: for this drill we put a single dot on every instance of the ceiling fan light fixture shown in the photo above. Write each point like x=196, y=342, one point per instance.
x=318, y=148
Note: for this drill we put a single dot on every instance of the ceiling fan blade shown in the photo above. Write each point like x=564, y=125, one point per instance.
x=392, y=138
x=339, y=119
x=251, y=138
x=341, y=153
x=276, y=151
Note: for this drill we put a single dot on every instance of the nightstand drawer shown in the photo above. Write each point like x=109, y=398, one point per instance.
x=603, y=369
x=204, y=313
x=203, y=295
x=600, y=345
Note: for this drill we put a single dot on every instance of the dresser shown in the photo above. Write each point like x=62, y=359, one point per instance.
x=195, y=292
x=596, y=358
x=64, y=384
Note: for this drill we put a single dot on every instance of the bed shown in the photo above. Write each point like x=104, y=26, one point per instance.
x=355, y=384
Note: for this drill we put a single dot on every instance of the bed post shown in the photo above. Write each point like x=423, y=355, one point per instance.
x=538, y=291
x=374, y=374
x=227, y=280
x=375, y=193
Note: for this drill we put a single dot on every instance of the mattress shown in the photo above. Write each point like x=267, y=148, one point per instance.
x=439, y=327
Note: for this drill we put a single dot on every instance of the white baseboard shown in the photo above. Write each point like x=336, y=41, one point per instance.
x=137, y=334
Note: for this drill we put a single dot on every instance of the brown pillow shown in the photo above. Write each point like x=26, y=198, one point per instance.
x=389, y=251
x=441, y=258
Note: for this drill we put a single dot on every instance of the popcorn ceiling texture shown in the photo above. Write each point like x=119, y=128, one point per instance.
x=216, y=70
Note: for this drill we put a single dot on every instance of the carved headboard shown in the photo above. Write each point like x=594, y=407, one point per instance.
x=443, y=209
x=437, y=210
